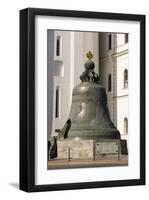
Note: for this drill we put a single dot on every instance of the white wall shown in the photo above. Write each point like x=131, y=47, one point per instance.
x=59, y=78
x=9, y=87
x=120, y=39
x=113, y=62
x=122, y=107
x=84, y=42
x=122, y=64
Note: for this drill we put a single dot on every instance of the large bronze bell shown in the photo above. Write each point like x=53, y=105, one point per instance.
x=89, y=114
x=89, y=117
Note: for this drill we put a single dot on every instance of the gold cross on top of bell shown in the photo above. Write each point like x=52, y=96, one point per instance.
x=89, y=55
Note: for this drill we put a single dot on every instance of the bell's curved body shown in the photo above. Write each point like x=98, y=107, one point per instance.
x=89, y=113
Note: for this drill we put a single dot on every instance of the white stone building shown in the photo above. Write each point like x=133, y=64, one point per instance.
x=113, y=70
x=66, y=57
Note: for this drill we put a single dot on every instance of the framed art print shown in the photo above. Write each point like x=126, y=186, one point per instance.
x=82, y=99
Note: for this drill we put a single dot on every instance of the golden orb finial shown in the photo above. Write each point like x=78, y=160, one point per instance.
x=89, y=55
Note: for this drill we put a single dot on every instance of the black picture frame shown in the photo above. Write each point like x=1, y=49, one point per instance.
x=27, y=99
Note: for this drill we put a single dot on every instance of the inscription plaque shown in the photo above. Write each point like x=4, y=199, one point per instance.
x=107, y=147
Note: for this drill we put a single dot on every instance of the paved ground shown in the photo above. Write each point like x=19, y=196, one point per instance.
x=62, y=164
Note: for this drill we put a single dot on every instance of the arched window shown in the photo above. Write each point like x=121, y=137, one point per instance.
x=110, y=42
x=125, y=125
x=125, y=78
x=58, y=45
x=57, y=102
x=109, y=82
x=126, y=38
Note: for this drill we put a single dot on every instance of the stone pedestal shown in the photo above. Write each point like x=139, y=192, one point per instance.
x=75, y=149
x=88, y=149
